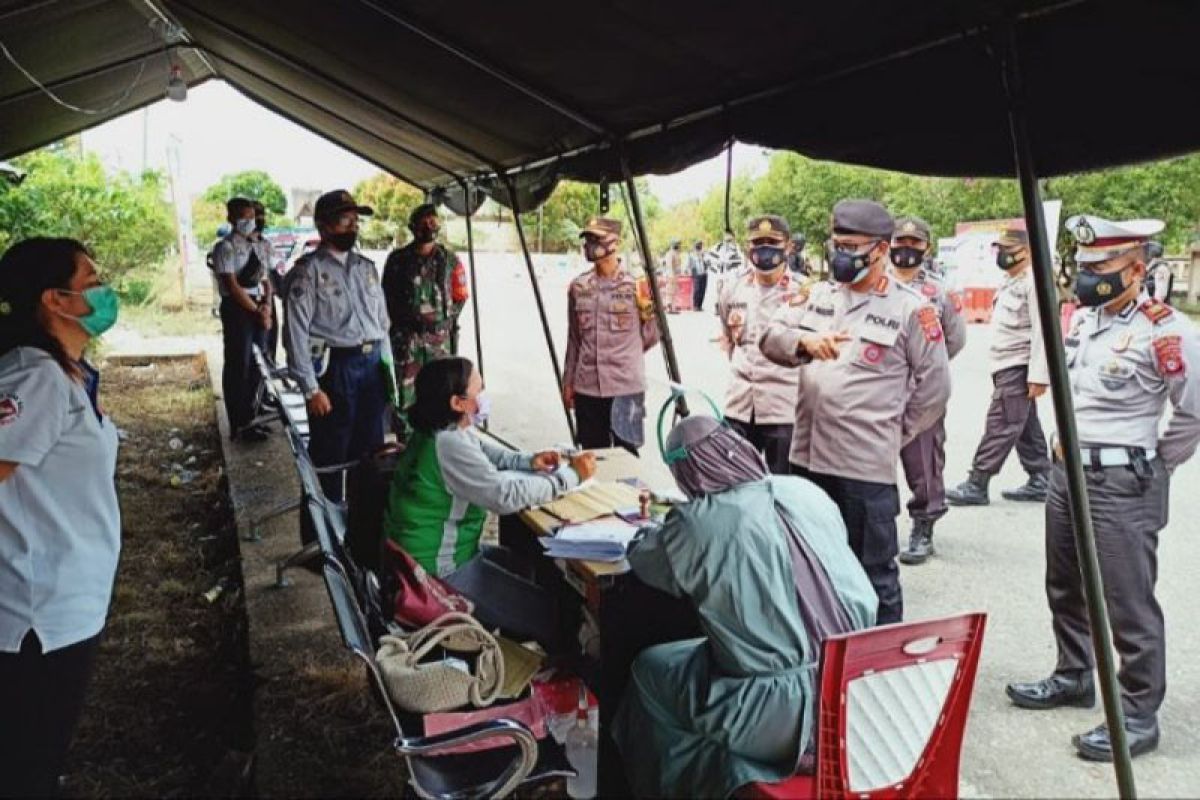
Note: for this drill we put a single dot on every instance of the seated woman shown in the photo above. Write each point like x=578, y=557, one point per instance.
x=765, y=560
x=449, y=478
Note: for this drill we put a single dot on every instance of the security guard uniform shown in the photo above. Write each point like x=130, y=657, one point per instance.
x=1124, y=364
x=1018, y=359
x=247, y=259
x=924, y=458
x=855, y=412
x=608, y=329
x=337, y=342
x=761, y=398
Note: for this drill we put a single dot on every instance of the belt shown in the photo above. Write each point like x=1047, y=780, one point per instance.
x=1100, y=457
x=365, y=348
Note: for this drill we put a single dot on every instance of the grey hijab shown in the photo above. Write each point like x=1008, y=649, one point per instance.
x=718, y=458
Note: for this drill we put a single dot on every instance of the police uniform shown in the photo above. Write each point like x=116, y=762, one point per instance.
x=761, y=400
x=337, y=342
x=608, y=329
x=1124, y=366
x=924, y=458
x=247, y=260
x=1160, y=280
x=1017, y=360
x=854, y=413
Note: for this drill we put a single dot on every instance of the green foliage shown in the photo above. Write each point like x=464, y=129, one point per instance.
x=208, y=212
x=393, y=200
x=123, y=219
x=573, y=203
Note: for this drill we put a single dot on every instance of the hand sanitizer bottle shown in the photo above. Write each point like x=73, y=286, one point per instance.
x=582, y=751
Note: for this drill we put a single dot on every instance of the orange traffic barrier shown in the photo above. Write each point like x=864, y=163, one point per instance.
x=977, y=303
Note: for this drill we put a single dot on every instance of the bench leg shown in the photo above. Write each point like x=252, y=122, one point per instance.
x=303, y=556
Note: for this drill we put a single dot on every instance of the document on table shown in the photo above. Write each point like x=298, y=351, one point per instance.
x=598, y=500
x=598, y=540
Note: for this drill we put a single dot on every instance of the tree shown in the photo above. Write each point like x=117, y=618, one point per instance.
x=392, y=200
x=123, y=219
x=208, y=212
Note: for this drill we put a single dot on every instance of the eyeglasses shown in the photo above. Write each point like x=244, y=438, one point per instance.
x=848, y=248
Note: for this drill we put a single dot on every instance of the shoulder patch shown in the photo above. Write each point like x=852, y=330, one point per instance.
x=10, y=409
x=1156, y=310
x=1168, y=354
x=927, y=316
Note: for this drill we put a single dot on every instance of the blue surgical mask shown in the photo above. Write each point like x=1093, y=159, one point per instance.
x=245, y=226
x=105, y=307
x=483, y=409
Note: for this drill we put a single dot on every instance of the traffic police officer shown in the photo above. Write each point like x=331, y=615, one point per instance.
x=873, y=374
x=762, y=395
x=425, y=284
x=924, y=457
x=336, y=339
x=608, y=328
x=1127, y=354
x=1020, y=376
x=1159, y=278
x=240, y=262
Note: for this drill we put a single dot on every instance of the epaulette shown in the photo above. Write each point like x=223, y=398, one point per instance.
x=1156, y=310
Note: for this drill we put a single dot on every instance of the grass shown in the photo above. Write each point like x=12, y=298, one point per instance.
x=158, y=319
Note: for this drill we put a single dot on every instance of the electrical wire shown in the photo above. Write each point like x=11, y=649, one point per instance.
x=71, y=106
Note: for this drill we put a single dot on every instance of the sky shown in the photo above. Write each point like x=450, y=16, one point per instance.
x=220, y=131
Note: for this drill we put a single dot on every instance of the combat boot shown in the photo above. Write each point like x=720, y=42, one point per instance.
x=920, y=543
x=971, y=492
x=1034, y=490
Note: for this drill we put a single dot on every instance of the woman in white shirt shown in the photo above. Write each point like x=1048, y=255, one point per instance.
x=59, y=521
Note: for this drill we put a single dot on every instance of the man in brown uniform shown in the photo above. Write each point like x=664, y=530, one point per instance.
x=924, y=458
x=1020, y=377
x=762, y=395
x=608, y=329
x=873, y=374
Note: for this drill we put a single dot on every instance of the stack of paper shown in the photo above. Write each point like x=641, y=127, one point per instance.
x=600, y=540
x=598, y=499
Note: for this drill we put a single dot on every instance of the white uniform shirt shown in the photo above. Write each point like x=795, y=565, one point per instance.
x=60, y=526
x=231, y=254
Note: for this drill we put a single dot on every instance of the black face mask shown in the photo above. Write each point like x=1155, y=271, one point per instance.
x=767, y=257
x=907, y=257
x=849, y=267
x=1007, y=260
x=425, y=235
x=343, y=241
x=1098, y=290
x=596, y=249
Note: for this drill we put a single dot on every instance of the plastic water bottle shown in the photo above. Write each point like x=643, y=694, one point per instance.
x=583, y=752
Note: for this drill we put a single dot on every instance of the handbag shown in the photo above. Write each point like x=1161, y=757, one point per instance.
x=426, y=687
x=418, y=598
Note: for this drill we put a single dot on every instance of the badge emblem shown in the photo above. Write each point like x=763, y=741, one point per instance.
x=1104, y=290
x=909, y=227
x=1123, y=343
x=764, y=226
x=1084, y=233
x=1168, y=352
x=872, y=353
x=10, y=409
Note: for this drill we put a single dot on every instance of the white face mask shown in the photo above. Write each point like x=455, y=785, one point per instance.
x=245, y=226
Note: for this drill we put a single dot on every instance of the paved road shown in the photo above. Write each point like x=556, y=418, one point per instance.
x=989, y=559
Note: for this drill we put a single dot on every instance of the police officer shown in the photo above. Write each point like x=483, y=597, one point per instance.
x=608, y=328
x=425, y=284
x=797, y=263
x=1127, y=354
x=336, y=340
x=924, y=457
x=873, y=374
x=240, y=262
x=760, y=403
x=697, y=267
x=1020, y=377
x=1160, y=281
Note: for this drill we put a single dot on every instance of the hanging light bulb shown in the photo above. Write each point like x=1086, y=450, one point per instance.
x=176, y=86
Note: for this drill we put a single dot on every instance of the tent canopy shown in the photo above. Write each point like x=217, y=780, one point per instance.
x=438, y=92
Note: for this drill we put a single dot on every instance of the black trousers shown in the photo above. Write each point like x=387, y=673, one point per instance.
x=773, y=441
x=593, y=424
x=699, y=287
x=1012, y=419
x=41, y=699
x=240, y=377
x=869, y=511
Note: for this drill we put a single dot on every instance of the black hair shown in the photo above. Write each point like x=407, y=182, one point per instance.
x=437, y=382
x=27, y=269
x=234, y=207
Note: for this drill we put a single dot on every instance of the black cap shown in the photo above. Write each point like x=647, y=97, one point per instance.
x=768, y=226
x=913, y=228
x=799, y=240
x=420, y=212
x=864, y=217
x=333, y=203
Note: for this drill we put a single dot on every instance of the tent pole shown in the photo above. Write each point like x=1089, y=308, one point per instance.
x=537, y=295
x=1064, y=412
x=668, y=346
x=470, y=197
x=728, y=184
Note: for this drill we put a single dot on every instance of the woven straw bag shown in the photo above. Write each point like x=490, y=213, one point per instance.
x=434, y=686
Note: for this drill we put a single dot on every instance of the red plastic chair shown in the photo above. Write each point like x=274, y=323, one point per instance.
x=892, y=713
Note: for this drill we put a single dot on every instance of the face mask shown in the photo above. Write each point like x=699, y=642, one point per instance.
x=850, y=267
x=1007, y=260
x=907, y=257
x=105, y=306
x=425, y=234
x=767, y=257
x=1098, y=290
x=596, y=249
x=343, y=241
x=483, y=409
x=245, y=226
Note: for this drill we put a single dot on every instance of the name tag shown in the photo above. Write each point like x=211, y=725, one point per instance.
x=884, y=322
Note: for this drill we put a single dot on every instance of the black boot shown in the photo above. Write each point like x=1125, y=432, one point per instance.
x=1034, y=490
x=920, y=543
x=1141, y=731
x=971, y=492
x=1060, y=689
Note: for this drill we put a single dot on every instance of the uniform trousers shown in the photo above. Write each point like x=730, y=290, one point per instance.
x=41, y=700
x=773, y=441
x=1012, y=419
x=699, y=287
x=240, y=377
x=1127, y=514
x=593, y=424
x=354, y=382
x=869, y=510
x=924, y=460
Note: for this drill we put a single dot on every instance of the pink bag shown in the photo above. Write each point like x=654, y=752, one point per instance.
x=420, y=598
x=529, y=712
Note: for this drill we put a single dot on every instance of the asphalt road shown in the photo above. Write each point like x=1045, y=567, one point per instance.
x=988, y=558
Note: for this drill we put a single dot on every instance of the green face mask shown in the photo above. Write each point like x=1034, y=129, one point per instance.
x=105, y=306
